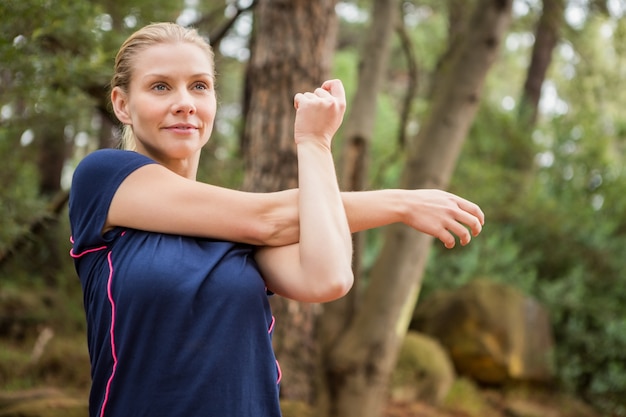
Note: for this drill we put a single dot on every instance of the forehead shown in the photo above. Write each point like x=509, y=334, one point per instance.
x=172, y=59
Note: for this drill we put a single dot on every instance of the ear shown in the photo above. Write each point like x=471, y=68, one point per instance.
x=120, y=105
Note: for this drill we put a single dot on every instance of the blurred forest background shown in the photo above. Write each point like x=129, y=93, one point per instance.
x=517, y=105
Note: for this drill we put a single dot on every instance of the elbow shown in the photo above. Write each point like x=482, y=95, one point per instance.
x=337, y=285
x=345, y=285
x=338, y=273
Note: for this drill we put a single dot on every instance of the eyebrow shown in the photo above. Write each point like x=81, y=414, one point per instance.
x=198, y=75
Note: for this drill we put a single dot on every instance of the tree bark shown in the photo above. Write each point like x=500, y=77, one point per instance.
x=412, y=83
x=521, y=160
x=546, y=39
x=364, y=357
x=52, y=151
x=291, y=50
x=359, y=126
x=358, y=130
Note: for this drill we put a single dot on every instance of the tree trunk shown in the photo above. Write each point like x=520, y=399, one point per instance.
x=546, y=38
x=358, y=130
x=364, y=357
x=291, y=50
x=412, y=82
x=521, y=160
x=52, y=148
x=359, y=126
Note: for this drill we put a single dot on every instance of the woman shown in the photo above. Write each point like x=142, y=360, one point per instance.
x=176, y=273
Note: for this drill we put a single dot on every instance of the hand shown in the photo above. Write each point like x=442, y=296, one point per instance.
x=320, y=113
x=443, y=215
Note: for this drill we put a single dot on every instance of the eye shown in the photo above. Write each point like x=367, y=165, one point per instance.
x=201, y=85
x=159, y=87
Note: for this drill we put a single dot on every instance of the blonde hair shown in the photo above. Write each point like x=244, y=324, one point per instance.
x=150, y=35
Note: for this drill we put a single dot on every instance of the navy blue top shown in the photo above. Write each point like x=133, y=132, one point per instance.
x=177, y=326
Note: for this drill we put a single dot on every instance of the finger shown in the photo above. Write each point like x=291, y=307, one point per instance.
x=335, y=88
x=297, y=99
x=472, y=208
x=321, y=94
x=470, y=220
x=477, y=227
x=301, y=99
x=445, y=236
x=447, y=239
x=461, y=232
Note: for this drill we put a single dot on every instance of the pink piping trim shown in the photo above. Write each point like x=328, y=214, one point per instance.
x=74, y=255
x=272, y=325
x=280, y=373
x=113, y=349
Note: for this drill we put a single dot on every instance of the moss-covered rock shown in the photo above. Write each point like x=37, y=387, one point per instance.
x=423, y=372
x=465, y=397
x=493, y=332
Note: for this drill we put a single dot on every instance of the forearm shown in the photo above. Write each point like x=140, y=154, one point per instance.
x=371, y=209
x=434, y=212
x=281, y=216
x=364, y=210
x=325, y=241
x=318, y=268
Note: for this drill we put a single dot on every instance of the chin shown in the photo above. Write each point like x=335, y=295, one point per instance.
x=184, y=152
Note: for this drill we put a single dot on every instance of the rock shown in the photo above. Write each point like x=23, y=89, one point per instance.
x=492, y=331
x=423, y=372
x=466, y=399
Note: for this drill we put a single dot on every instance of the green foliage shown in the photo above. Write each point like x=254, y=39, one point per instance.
x=57, y=58
x=19, y=198
x=553, y=195
x=554, y=202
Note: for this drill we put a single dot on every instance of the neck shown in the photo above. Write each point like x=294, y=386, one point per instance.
x=183, y=167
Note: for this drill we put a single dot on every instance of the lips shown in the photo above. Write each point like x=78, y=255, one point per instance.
x=182, y=129
x=181, y=126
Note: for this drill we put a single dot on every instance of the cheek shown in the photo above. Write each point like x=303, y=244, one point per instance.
x=150, y=111
x=208, y=112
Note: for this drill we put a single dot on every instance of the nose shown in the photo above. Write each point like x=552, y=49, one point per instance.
x=184, y=104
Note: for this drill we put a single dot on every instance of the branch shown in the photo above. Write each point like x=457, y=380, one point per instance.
x=411, y=91
x=216, y=36
x=36, y=226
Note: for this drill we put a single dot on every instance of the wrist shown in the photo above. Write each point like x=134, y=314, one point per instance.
x=320, y=141
x=399, y=205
